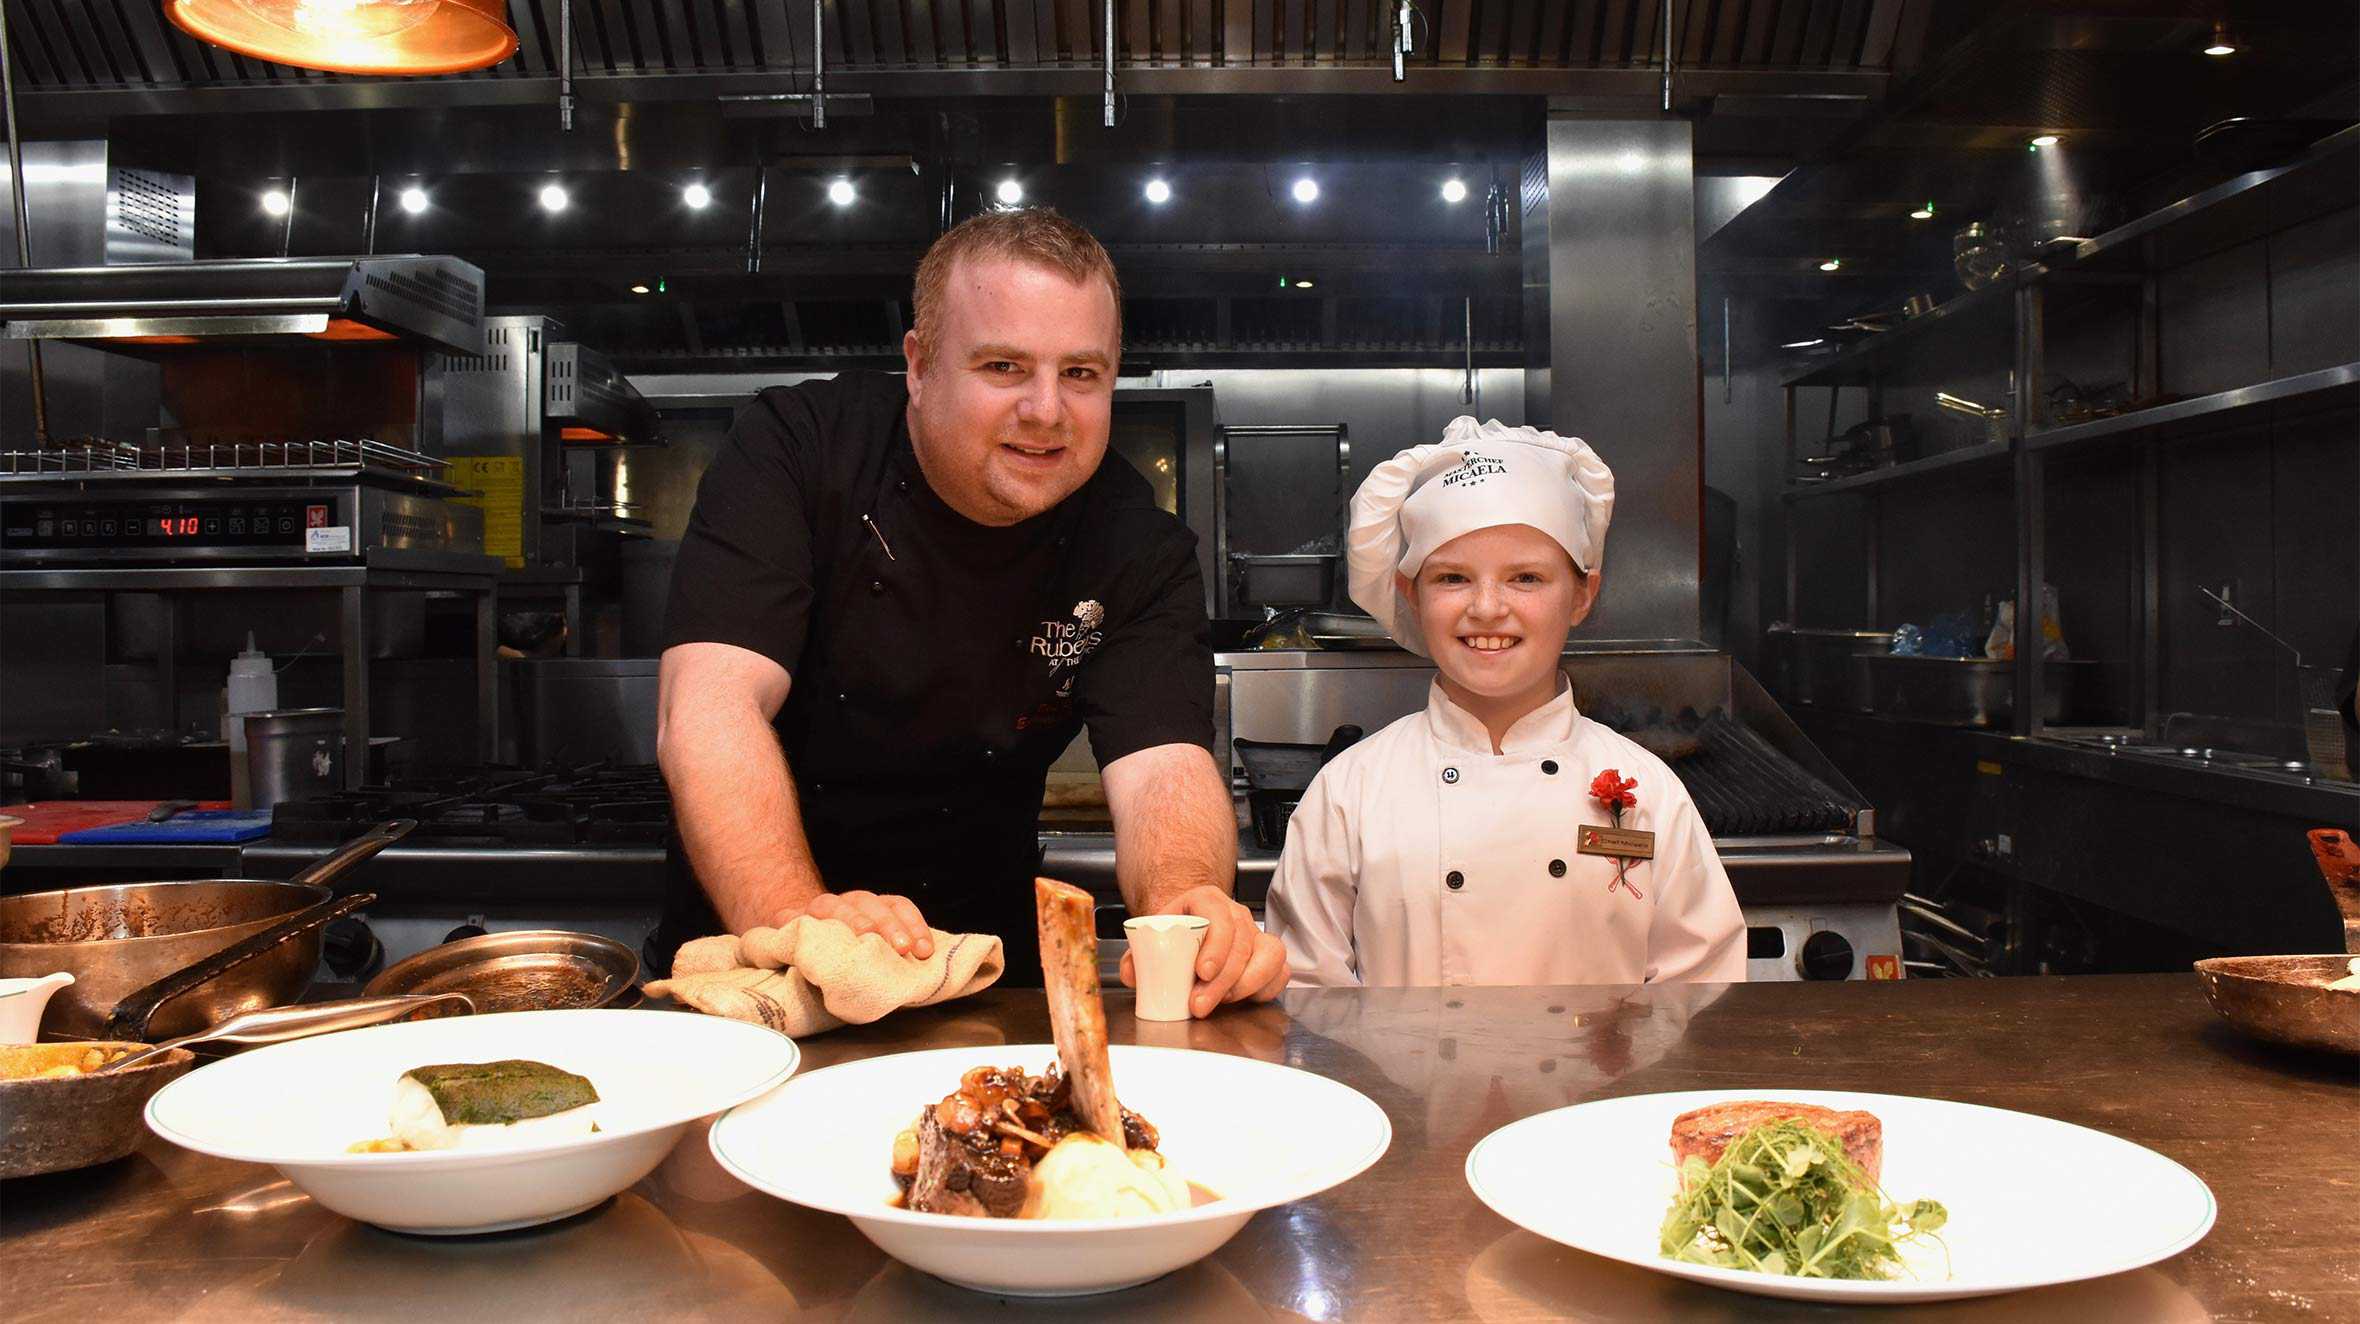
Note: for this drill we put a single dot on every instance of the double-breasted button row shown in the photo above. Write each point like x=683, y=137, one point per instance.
x=1454, y=880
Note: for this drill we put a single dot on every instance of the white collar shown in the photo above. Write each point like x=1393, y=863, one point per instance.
x=1545, y=727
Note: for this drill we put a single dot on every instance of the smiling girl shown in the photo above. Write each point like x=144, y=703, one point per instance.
x=1452, y=847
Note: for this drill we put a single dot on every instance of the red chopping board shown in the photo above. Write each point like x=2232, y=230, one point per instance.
x=44, y=822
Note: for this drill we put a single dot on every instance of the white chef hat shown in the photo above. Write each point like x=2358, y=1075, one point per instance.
x=1479, y=476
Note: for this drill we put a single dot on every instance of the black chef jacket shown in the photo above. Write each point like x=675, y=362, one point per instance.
x=938, y=666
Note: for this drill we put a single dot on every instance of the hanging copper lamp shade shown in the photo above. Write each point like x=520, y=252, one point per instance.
x=355, y=36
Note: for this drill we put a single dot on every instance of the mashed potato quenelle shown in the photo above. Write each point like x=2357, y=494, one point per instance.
x=1085, y=1176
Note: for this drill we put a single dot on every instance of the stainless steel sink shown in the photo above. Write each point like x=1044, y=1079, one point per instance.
x=2129, y=744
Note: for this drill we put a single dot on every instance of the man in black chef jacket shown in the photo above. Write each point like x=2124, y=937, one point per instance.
x=897, y=599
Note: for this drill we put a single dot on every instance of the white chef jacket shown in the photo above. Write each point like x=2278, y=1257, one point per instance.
x=1418, y=856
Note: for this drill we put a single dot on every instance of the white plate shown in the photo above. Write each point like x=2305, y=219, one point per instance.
x=2032, y=1201
x=296, y=1106
x=1254, y=1133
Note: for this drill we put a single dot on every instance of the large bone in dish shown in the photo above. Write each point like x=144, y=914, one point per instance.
x=1077, y=1017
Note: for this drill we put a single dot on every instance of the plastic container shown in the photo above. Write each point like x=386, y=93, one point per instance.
x=253, y=688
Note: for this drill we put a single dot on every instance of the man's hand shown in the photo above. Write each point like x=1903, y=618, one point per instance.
x=1237, y=961
x=894, y=918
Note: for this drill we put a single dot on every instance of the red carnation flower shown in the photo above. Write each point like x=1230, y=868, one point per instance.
x=1614, y=790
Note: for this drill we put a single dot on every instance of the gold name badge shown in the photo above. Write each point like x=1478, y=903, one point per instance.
x=1616, y=843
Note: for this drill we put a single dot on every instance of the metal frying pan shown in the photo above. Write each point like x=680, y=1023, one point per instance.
x=523, y=970
x=120, y=939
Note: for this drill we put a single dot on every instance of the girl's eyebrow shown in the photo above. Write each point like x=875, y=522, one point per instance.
x=1515, y=567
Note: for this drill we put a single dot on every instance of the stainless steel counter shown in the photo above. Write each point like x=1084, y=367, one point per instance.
x=531, y=875
x=166, y=1233
x=2217, y=781
x=523, y=875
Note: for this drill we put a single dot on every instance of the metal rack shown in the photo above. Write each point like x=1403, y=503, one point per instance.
x=348, y=587
x=2127, y=259
x=340, y=457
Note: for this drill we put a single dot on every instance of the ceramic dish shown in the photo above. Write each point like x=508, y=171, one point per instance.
x=1252, y=1134
x=2032, y=1201
x=299, y=1106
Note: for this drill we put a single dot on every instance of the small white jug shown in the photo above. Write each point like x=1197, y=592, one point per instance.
x=21, y=1003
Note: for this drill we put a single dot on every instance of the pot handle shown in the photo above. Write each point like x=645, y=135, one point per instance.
x=325, y=871
x=130, y=1018
x=273, y=1024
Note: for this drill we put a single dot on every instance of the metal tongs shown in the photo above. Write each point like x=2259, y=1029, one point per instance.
x=273, y=1024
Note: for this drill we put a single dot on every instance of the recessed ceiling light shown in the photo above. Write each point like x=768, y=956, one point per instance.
x=413, y=200
x=1304, y=283
x=1158, y=192
x=696, y=195
x=639, y=289
x=1803, y=344
x=554, y=198
x=1454, y=190
x=1010, y=192
x=1832, y=264
x=1925, y=212
x=274, y=202
x=2221, y=45
x=840, y=192
x=2045, y=140
x=1306, y=190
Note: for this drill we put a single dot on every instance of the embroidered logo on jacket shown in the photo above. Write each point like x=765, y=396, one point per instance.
x=1066, y=643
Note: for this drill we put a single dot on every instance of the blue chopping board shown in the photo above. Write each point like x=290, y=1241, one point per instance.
x=196, y=826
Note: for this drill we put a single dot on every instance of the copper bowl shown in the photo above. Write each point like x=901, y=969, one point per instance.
x=2286, y=999
x=116, y=940
x=55, y=1123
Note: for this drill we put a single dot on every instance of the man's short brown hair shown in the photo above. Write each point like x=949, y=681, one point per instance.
x=1037, y=235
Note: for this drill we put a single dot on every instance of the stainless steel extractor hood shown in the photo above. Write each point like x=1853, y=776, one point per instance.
x=431, y=301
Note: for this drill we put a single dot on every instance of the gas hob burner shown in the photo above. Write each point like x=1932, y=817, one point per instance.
x=600, y=804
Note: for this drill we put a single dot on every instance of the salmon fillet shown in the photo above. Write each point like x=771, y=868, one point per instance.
x=1705, y=1132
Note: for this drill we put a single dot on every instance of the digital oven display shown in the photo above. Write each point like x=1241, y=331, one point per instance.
x=41, y=525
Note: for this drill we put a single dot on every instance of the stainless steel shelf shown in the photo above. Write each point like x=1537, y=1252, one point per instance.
x=2321, y=387
x=1858, y=364
x=1968, y=458
x=386, y=568
x=2322, y=179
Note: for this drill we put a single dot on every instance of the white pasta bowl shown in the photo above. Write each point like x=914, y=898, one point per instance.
x=299, y=1106
x=1253, y=1134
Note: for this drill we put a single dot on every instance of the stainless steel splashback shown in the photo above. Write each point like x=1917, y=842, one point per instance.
x=82, y=212
x=1609, y=253
x=1304, y=696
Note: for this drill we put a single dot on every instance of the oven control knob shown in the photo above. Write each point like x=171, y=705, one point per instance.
x=1826, y=954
